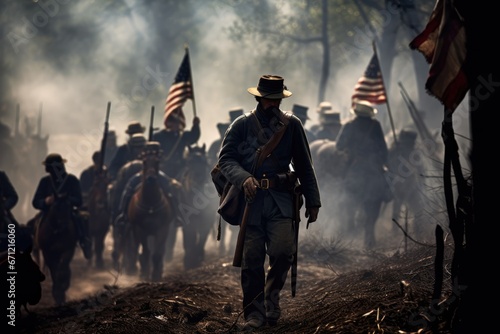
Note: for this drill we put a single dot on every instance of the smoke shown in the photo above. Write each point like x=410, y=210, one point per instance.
x=75, y=56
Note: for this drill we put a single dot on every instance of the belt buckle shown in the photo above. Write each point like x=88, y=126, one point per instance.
x=264, y=184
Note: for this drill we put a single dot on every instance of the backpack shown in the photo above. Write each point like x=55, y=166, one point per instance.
x=218, y=179
x=230, y=199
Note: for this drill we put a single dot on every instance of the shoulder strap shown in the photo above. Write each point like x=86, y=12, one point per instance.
x=58, y=189
x=167, y=158
x=271, y=144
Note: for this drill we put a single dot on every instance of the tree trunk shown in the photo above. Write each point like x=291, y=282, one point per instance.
x=484, y=102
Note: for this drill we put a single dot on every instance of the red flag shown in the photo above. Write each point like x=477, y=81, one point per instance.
x=179, y=92
x=370, y=87
x=443, y=45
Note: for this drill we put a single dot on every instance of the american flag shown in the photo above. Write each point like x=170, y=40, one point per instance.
x=181, y=89
x=370, y=87
x=443, y=45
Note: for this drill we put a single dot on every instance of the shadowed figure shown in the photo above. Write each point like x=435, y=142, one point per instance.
x=56, y=237
x=123, y=254
x=406, y=167
x=196, y=206
x=226, y=231
x=122, y=243
x=94, y=183
x=99, y=220
x=59, y=226
x=149, y=212
x=331, y=168
x=365, y=187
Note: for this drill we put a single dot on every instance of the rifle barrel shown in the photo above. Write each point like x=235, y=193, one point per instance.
x=104, y=138
x=151, y=121
x=422, y=128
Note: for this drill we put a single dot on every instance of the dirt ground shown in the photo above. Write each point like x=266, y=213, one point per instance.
x=339, y=290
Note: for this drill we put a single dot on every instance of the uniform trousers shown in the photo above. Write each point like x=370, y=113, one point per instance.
x=274, y=237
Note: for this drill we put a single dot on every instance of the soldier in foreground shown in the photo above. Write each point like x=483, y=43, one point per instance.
x=270, y=222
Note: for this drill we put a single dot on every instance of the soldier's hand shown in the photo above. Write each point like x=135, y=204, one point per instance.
x=49, y=200
x=250, y=188
x=176, y=184
x=312, y=214
x=196, y=120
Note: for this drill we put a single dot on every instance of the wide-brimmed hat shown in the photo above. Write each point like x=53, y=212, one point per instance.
x=363, y=109
x=134, y=127
x=53, y=158
x=300, y=111
x=332, y=117
x=324, y=107
x=270, y=87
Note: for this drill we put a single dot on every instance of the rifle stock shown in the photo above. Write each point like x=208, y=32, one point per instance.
x=238, y=252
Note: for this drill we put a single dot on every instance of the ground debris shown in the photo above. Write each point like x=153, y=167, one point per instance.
x=380, y=293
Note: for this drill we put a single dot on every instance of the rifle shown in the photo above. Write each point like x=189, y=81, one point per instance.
x=238, y=254
x=414, y=113
x=262, y=153
x=151, y=128
x=104, y=141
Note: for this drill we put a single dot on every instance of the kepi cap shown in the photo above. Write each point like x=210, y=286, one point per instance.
x=332, y=117
x=300, y=111
x=234, y=113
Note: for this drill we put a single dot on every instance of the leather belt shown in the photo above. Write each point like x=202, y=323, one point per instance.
x=267, y=183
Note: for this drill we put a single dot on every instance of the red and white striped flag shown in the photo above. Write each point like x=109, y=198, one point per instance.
x=370, y=87
x=180, y=91
x=443, y=45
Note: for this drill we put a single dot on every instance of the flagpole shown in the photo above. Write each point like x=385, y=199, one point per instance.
x=387, y=96
x=191, y=78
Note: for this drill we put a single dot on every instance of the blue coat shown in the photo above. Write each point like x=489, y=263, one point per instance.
x=66, y=183
x=238, y=152
x=173, y=145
